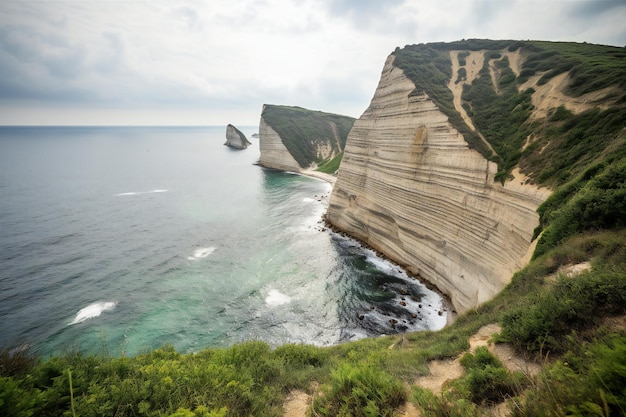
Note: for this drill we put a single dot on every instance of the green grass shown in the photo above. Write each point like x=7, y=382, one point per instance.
x=332, y=165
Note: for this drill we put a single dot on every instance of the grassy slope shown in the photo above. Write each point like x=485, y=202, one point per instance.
x=567, y=323
x=301, y=130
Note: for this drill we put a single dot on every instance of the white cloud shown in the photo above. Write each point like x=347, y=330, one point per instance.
x=212, y=62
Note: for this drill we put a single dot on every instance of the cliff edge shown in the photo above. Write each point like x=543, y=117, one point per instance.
x=410, y=186
x=447, y=170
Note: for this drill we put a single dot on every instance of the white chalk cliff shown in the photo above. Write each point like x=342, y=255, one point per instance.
x=410, y=187
x=273, y=152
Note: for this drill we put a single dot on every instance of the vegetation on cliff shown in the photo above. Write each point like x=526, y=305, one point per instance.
x=581, y=156
x=309, y=136
x=501, y=109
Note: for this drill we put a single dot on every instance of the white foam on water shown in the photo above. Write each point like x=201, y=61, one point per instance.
x=93, y=310
x=201, y=253
x=140, y=192
x=277, y=298
x=308, y=200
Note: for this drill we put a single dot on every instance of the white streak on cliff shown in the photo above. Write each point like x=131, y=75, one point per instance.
x=410, y=186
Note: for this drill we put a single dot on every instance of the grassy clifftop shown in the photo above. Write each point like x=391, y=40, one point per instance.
x=309, y=136
x=502, y=100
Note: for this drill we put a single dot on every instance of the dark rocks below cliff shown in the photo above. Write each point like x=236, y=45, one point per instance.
x=389, y=301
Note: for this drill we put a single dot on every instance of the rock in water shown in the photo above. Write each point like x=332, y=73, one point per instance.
x=235, y=138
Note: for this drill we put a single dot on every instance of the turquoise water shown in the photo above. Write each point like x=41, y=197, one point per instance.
x=125, y=239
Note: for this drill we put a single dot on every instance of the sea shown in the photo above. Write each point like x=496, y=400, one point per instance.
x=120, y=240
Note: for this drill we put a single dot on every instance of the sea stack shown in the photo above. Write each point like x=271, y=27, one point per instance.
x=235, y=138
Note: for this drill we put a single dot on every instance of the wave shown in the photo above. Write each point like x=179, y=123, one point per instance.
x=93, y=310
x=201, y=253
x=276, y=298
x=140, y=192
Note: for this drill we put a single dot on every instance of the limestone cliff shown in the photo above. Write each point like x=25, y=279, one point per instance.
x=295, y=139
x=410, y=186
x=274, y=153
x=235, y=138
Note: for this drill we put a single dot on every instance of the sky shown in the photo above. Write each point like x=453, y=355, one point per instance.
x=214, y=62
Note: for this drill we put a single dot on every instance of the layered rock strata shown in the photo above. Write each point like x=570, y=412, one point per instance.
x=410, y=187
x=235, y=138
x=273, y=152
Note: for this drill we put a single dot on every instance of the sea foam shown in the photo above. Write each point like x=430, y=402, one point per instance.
x=93, y=310
x=139, y=192
x=201, y=253
x=276, y=298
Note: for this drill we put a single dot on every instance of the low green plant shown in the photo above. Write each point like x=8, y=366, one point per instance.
x=16, y=362
x=486, y=380
x=445, y=405
x=359, y=390
x=574, y=303
x=589, y=380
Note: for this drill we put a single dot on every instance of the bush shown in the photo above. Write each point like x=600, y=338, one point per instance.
x=360, y=390
x=588, y=380
x=487, y=381
x=541, y=324
x=16, y=362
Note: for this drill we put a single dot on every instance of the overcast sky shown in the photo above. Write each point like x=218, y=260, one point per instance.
x=213, y=62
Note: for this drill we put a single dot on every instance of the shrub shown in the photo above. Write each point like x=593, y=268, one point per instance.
x=487, y=381
x=541, y=324
x=360, y=390
x=16, y=362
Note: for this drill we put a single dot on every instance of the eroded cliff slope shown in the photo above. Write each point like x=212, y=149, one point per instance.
x=295, y=139
x=410, y=186
x=439, y=172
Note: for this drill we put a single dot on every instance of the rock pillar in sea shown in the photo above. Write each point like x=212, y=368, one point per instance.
x=235, y=138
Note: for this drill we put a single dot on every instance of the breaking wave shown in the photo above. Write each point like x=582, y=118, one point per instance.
x=201, y=253
x=93, y=310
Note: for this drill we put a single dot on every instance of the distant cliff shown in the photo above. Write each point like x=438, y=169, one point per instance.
x=235, y=138
x=294, y=139
x=462, y=142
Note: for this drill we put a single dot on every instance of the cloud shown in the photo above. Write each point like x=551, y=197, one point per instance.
x=214, y=57
x=587, y=9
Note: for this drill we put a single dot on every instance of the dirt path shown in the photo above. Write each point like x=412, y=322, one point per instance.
x=441, y=372
x=296, y=404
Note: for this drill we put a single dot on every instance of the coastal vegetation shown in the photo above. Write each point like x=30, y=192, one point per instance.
x=311, y=137
x=501, y=109
x=571, y=325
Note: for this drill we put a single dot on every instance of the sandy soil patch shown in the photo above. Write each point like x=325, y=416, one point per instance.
x=296, y=404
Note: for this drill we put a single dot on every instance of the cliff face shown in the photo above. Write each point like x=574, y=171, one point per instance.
x=274, y=153
x=235, y=138
x=410, y=186
x=295, y=139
